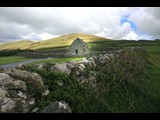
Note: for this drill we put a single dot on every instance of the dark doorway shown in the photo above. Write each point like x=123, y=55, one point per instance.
x=76, y=51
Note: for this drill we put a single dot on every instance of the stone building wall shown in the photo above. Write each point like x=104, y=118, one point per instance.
x=78, y=47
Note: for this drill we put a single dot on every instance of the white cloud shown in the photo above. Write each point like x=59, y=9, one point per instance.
x=147, y=20
x=45, y=36
x=43, y=23
x=37, y=37
x=131, y=36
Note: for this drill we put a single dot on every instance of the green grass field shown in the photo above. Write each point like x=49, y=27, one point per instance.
x=57, y=60
x=12, y=59
x=153, y=70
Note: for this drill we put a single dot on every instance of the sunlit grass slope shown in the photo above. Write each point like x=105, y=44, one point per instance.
x=21, y=44
x=63, y=40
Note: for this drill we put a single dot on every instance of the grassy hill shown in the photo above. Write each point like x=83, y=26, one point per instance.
x=21, y=44
x=63, y=40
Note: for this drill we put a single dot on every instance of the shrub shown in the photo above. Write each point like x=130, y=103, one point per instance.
x=119, y=81
x=8, y=52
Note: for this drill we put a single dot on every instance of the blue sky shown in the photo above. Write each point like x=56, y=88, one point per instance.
x=141, y=35
x=125, y=19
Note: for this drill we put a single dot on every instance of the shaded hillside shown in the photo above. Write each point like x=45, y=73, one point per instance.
x=63, y=40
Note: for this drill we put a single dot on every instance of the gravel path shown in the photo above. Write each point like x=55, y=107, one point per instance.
x=13, y=65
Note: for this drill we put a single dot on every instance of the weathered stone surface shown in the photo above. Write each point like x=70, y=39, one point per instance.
x=92, y=62
x=61, y=67
x=111, y=55
x=14, y=96
x=21, y=95
x=94, y=58
x=102, y=59
x=3, y=92
x=15, y=104
x=82, y=66
x=71, y=65
x=60, y=83
x=78, y=47
x=5, y=79
x=92, y=81
x=18, y=84
x=77, y=73
x=7, y=105
x=31, y=101
x=30, y=77
x=35, y=109
x=15, y=101
x=21, y=66
x=57, y=107
x=41, y=66
x=84, y=60
x=45, y=93
x=81, y=69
